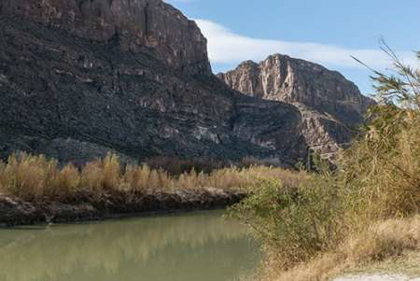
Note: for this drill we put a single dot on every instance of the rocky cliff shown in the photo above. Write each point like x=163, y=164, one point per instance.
x=147, y=26
x=79, y=78
x=331, y=106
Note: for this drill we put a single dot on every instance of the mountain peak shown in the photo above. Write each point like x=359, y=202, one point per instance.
x=330, y=105
x=286, y=79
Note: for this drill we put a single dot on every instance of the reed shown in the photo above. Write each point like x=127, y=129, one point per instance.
x=38, y=179
x=360, y=213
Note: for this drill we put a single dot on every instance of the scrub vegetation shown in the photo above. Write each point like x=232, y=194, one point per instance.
x=366, y=211
x=38, y=179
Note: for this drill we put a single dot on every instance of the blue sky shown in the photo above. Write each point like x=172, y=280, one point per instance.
x=324, y=31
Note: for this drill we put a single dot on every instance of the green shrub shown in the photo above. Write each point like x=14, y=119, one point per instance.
x=295, y=222
x=377, y=179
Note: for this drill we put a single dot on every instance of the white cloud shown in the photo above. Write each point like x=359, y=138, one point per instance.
x=179, y=1
x=226, y=46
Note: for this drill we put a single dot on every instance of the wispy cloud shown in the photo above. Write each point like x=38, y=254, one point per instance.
x=226, y=46
x=179, y=1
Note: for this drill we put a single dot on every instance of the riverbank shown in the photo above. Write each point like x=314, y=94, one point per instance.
x=34, y=189
x=15, y=211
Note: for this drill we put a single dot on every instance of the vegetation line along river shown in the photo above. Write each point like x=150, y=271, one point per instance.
x=15, y=211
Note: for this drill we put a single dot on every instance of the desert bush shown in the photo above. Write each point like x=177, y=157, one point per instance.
x=36, y=178
x=381, y=242
x=295, y=222
x=383, y=167
x=28, y=177
x=176, y=166
x=377, y=179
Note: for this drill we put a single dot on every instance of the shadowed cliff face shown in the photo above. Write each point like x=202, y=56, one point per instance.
x=80, y=78
x=149, y=26
x=331, y=106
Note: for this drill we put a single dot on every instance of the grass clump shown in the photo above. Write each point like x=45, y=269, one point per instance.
x=38, y=179
x=176, y=166
x=360, y=213
x=390, y=245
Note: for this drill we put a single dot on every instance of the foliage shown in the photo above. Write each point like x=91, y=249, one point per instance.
x=377, y=179
x=38, y=179
x=383, y=167
x=295, y=222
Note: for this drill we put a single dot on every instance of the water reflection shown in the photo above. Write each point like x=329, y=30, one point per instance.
x=199, y=246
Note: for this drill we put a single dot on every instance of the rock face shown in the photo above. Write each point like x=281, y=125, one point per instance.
x=148, y=26
x=331, y=106
x=80, y=78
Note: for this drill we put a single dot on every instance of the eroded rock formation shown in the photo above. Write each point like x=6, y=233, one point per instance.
x=331, y=106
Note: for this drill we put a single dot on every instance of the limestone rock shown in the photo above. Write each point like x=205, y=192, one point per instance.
x=331, y=106
x=290, y=80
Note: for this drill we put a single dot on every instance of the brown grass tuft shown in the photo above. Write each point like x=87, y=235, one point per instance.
x=37, y=179
x=384, y=241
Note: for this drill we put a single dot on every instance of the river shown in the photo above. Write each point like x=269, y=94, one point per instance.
x=199, y=246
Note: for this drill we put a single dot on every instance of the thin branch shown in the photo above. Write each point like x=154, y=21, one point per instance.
x=388, y=50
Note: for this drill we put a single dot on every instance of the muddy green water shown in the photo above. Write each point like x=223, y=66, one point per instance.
x=198, y=246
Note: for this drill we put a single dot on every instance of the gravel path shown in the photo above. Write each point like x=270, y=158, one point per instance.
x=378, y=277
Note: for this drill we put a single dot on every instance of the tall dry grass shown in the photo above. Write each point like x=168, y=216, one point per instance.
x=381, y=242
x=176, y=166
x=311, y=231
x=36, y=178
x=384, y=167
